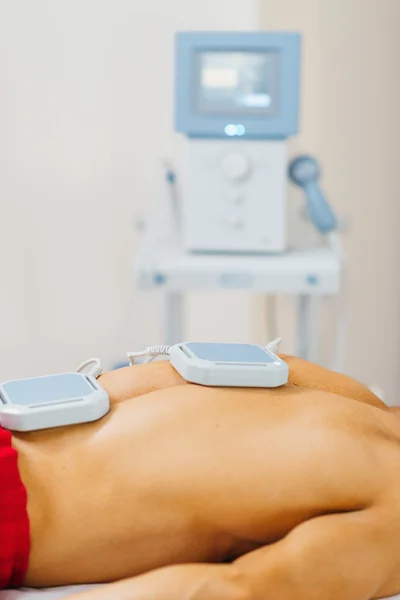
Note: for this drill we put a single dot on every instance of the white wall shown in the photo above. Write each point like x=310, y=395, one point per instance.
x=351, y=120
x=85, y=117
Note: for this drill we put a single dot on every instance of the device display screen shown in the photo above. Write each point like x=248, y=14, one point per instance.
x=40, y=390
x=232, y=353
x=237, y=82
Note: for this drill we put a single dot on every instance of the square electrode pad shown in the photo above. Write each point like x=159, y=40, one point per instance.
x=51, y=401
x=44, y=390
x=229, y=365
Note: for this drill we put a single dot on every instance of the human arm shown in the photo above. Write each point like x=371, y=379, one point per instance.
x=334, y=557
x=346, y=556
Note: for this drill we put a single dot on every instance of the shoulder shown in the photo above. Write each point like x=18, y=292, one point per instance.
x=344, y=450
x=308, y=375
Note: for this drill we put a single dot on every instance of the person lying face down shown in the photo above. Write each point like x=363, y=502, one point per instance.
x=184, y=492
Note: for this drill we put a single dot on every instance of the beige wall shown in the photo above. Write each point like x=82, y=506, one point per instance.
x=351, y=120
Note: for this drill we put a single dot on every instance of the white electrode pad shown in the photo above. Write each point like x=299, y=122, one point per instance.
x=228, y=365
x=51, y=401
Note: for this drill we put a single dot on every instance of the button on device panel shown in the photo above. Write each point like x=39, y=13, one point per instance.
x=236, y=198
x=234, y=222
x=235, y=166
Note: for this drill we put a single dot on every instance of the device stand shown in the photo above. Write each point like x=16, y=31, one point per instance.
x=307, y=343
x=173, y=318
x=309, y=275
x=307, y=327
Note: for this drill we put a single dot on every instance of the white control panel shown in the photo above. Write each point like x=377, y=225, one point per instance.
x=235, y=196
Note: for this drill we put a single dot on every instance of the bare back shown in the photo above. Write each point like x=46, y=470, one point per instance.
x=191, y=474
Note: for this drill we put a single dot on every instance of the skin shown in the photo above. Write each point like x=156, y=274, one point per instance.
x=219, y=494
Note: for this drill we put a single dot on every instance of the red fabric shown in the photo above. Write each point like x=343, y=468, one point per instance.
x=14, y=523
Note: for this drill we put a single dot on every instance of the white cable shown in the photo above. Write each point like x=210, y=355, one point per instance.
x=96, y=369
x=274, y=345
x=154, y=351
x=151, y=351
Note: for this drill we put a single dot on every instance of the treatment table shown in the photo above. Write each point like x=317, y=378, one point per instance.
x=58, y=594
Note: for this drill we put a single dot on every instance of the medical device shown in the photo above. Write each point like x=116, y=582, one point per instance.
x=237, y=101
x=53, y=400
x=227, y=365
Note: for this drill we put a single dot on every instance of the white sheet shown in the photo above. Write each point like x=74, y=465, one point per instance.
x=47, y=594
x=56, y=594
